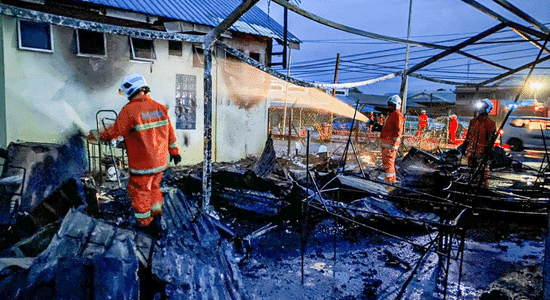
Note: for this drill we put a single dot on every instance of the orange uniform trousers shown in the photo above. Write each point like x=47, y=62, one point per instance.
x=147, y=199
x=388, y=162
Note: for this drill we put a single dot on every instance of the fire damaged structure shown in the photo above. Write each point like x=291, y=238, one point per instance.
x=68, y=228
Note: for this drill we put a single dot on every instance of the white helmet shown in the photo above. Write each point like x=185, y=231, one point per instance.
x=484, y=106
x=423, y=111
x=131, y=84
x=395, y=100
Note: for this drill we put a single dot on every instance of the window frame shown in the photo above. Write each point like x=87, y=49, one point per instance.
x=79, y=53
x=180, y=54
x=133, y=53
x=198, y=55
x=19, y=40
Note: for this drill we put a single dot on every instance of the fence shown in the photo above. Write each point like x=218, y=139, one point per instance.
x=323, y=132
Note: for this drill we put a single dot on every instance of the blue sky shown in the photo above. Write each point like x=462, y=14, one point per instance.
x=433, y=21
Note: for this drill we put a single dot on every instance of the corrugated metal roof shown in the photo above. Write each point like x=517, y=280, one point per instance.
x=204, y=12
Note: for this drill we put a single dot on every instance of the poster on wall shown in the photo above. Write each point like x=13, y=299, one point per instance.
x=186, y=101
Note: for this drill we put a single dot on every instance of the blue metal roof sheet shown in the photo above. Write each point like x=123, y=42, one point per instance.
x=204, y=12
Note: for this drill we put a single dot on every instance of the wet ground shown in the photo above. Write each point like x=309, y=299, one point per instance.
x=355, y=263
x=502, y=259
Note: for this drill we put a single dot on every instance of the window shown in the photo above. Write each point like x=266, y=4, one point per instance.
x=175, y=48
x=186, y=101
x=90, y=43
x=142, y=49
x=35, y=36
x=255, y=56
x=198, y=56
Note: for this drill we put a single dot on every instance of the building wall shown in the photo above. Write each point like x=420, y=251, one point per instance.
x=46, y=92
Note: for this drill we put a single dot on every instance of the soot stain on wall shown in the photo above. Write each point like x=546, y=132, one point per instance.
x=99, y=73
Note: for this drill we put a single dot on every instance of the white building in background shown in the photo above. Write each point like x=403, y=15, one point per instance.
x=63, y=61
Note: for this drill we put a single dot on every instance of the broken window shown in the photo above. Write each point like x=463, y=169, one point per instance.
x=175, y=48
x=35, y=36
x=186, y=101
x=91, y=43
x=142, y=49
x=198, y=56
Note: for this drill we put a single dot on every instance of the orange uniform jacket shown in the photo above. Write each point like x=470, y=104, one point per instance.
x=480, y=132
x=149, y=135
x=422, y=122
x=390, y=136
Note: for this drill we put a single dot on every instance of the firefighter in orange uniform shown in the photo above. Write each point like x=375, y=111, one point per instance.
x=150, y=137
x=422, y=123
x=390, y=138
x=453, y=127
x=478, y=141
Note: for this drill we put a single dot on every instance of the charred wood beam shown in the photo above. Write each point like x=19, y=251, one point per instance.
x=457, y=47
x=518, y=12
x=502, y=19
x=516, y=70
x=359, y=32
x=52, y=19
x=209, y=40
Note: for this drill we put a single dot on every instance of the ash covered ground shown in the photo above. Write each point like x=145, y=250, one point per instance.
x=255, y=250
x=502, y=260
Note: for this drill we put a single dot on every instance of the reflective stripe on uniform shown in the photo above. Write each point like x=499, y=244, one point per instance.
x=147, y=171
x=144, y=215
x=151, y=125
x=156, y=207
x=174, y=145
x=396, y=139
x=390, y=174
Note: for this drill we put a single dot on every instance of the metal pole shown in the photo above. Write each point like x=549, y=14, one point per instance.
x=207, y=163
x=208, y=43
x=405, y=80
x=546, y=264
x=285, y=36
x=286, y=93
x=336, y=73
x=290, y=115
x=305, y=211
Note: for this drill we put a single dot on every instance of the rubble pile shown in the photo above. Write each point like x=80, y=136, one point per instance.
x=68, y=238
x=90, y=258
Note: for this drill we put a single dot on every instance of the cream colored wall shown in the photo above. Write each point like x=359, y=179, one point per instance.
x=241, y=129
x=46, y=91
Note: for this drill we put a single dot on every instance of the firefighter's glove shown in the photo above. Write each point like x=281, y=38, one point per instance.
x=175, y=158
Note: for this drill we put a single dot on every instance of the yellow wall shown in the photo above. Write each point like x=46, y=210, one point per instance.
x=44, y=92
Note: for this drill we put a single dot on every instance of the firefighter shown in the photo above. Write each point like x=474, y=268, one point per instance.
x=422, y=123
x=478, y=142
x=453, y=127
x=150, y=138
x=390, y=138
